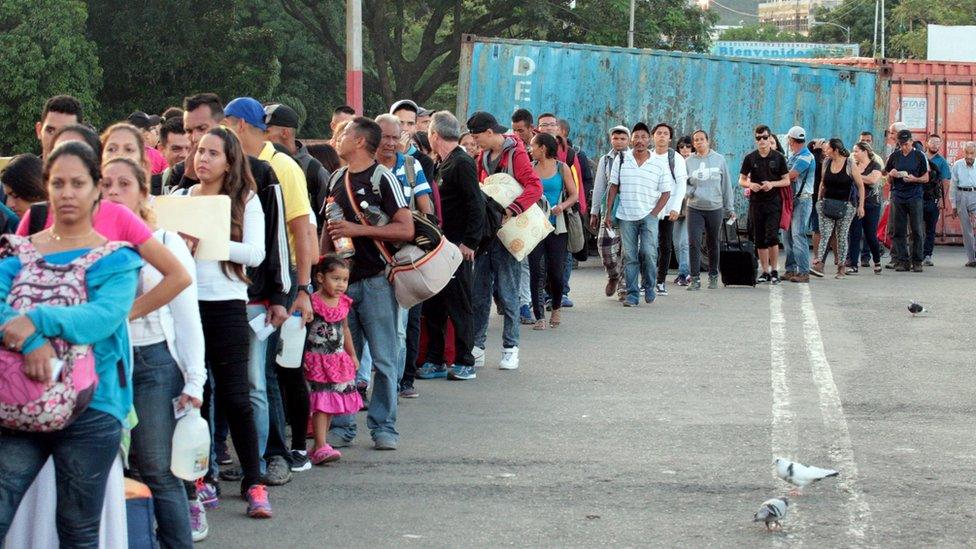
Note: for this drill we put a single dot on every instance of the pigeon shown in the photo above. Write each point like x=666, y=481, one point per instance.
x=799, y=474
x=771, y=512
x=915, y=308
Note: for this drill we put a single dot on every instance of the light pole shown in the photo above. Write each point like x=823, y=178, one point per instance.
x=354, y=55
x=842, y=27
x=630, y=31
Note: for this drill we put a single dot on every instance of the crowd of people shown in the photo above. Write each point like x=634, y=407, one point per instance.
x=89, y=276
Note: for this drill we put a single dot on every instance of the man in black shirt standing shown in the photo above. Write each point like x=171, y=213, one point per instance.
x=463, y=212
x=374, y=313
x=763, y=171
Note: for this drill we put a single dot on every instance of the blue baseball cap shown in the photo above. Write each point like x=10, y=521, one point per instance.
x=247, y=109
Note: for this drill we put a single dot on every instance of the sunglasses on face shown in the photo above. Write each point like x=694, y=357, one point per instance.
x=761, y=137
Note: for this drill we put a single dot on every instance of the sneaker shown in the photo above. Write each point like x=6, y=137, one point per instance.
x=629, y=303
x=479, y=356
x=661, y=289
x=198, y=520
x=510, y=359
x=971, y=264
x=337, y=441
x=865, y=262
x=763, y=278
x=801, y=278
x=682, y=280
x=300, y=461
x=525, y=315
x=278, y=472
x=902, y=267
x=567, y=303
x=363, y=387
x=231, y=474
x=695, y=285
x=852, y=270
x=712, y=282
x=611, y=286
x=460, y=373
x=325, y=454
x=223, y=458
x=432, y=371
x=892, y=265
x=917, y=268
x=774, y=277
x=257, y=502
x=928, y=261
x=816, y=271
x=384, y=442
x=788, y=275
x=207, y=494
x=409, y=392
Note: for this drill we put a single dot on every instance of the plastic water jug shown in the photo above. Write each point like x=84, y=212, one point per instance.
x=292, y=342
x=191, y=446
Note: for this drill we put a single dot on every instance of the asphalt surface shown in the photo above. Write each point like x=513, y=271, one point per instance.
x=657, y=427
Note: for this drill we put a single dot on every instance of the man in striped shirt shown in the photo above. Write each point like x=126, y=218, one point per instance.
x=644, y=188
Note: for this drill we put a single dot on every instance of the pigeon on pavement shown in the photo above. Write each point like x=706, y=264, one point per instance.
x=799, y=474
x=915, y=308
x=771, y=512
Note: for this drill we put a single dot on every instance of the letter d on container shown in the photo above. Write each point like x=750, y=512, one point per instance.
x=524, y=66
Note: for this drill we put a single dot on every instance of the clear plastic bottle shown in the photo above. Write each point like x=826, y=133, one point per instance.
x=190, y=458
x=343, y=245
x=293, y=334
x=374, y=214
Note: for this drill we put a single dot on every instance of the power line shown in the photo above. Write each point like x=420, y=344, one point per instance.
x=737, y=12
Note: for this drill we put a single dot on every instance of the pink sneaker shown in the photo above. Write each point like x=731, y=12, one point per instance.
x=257, y=502
x=325, y=454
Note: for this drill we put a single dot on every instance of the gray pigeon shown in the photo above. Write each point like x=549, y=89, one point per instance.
x=915, y=308
x=799, y=474
x=771, y=512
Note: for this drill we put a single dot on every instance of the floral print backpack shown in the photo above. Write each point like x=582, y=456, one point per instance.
x=28, y=405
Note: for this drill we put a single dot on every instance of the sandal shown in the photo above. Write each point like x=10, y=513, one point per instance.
x=539, y=325
x=877, y=268
x=554, y=319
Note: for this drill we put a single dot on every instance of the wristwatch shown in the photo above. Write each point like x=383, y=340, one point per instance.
x=308, y=289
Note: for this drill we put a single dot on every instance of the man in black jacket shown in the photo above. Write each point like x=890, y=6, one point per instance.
x=463, y=210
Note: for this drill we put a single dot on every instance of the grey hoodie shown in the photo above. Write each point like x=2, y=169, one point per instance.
x=709, y=183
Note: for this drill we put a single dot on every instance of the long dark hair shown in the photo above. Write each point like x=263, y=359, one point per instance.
x=25, y=177
x=238, y=184
x=548, y=143
x=838, y=145
x=82, y=152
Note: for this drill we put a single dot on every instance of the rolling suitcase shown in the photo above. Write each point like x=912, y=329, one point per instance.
x=737, y=260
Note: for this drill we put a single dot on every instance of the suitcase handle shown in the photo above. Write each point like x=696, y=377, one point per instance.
x=725, y=231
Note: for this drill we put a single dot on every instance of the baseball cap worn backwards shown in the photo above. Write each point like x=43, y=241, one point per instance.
x=247, y=109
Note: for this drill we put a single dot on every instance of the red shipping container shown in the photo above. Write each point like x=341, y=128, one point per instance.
x=931, y=97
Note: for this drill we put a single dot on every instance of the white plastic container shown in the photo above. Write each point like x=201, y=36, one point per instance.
x=292, y=342
x=191, y=446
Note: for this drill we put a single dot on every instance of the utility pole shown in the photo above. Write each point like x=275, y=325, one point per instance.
x=354, y=55
x=874, y=41
x=882, y=29
x=630, y=31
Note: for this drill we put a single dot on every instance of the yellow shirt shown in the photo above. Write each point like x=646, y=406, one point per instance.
x=294, y=189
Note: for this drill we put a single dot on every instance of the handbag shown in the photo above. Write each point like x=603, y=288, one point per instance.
x=833, y=208
x=574, y=227
x=416, y=274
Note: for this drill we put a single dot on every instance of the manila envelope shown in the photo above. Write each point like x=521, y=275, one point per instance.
x=203, y=217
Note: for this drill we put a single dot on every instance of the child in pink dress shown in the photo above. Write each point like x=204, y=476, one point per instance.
x=330, y=358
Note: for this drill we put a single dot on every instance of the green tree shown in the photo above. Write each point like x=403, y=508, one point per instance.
x=412, y=47
x=763, y=33
x=45, y=53
x=155, y=53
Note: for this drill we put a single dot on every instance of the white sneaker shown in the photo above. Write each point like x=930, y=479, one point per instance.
x=509, y=359
x=479, y=356
x=198, y=520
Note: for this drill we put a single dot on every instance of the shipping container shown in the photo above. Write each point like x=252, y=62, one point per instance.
x=931, y=97
x=597, y=87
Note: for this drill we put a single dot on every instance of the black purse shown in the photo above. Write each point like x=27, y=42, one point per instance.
x=833, y=208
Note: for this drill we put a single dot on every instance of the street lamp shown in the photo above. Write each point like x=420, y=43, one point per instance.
x=842, y=27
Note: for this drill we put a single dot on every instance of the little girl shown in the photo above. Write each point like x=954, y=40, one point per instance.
x=330, y=358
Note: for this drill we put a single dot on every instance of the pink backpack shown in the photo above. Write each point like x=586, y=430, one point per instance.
x=27, y=405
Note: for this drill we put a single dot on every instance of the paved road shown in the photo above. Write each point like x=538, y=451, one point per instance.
x=657, y=426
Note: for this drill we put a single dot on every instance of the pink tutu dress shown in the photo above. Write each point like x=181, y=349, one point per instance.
x=331, y=373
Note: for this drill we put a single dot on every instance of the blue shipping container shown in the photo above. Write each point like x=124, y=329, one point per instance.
x=597, y=87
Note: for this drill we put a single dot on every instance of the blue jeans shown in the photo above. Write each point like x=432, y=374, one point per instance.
x=83, y=454
x=496, y=262
x=258, y=380
x=365, y=371
x=796, y=241
x=373, y=320
x=639, y=243
x=567, y=272
x=679, y=234
x=156, y=381
x=930, y=212
x=525, y=290
x=865, y=231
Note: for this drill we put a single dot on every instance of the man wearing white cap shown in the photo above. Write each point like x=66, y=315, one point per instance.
x=796, y=243
x=608, y=239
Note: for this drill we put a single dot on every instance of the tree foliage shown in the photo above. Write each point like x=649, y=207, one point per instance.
x=154, y=53
x=763, y=33
x=44, y=53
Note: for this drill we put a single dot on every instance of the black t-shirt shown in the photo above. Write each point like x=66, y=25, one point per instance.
x=872, y=192
x=915, y=164
x=367, y=260
x=462, y=202
x=771, y=168
x=837, y=185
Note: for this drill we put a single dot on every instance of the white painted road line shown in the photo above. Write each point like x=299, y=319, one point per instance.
x=841, y=448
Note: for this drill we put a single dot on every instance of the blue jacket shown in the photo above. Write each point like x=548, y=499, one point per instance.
x=101, y=322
